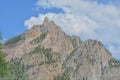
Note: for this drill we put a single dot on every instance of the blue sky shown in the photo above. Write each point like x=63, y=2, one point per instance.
x=94, y=19
x=13, y=13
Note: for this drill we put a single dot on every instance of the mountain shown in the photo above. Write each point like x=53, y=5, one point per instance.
x=49, y=54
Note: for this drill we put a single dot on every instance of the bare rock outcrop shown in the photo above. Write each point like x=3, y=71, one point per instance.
x=50, y=54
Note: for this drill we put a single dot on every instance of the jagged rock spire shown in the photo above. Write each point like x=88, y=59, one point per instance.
x=46, y=21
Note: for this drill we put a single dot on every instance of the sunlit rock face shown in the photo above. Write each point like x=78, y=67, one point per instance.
x=50, y=54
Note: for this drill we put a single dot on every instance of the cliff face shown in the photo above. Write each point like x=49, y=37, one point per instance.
x=49, y=54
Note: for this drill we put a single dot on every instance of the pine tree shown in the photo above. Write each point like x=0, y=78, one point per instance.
x=3, y=63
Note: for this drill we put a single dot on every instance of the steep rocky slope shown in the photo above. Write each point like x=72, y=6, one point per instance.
x=49, y=54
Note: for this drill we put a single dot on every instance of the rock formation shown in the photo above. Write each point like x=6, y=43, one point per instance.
x=50, y=54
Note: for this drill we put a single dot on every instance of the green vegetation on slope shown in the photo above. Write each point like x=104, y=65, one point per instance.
x=17, y=69
x=114, y=63
x=46, y=51
x=3, y=63
x=13, y=40
x=49, y=56
x=13, y=70
x=38, y=39
x=63, y=76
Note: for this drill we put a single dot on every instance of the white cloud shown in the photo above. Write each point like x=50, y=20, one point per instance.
x=88, y=19
x=68, y=22
x=115, y=50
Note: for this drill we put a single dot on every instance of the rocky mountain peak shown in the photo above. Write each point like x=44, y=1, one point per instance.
x=46, y=20
x=50, y=54
x=51, y=26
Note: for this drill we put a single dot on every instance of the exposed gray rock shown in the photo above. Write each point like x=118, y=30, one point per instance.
x=50, y=54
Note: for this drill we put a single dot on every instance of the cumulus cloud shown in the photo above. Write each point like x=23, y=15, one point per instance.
x=85, y=18
x=115, y=50
x=68, y=22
